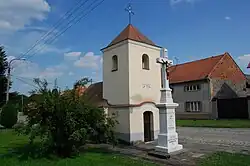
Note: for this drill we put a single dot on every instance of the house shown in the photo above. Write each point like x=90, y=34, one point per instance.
x=132, y=81
x=209, y=88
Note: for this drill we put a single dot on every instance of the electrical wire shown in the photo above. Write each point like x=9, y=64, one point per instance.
x=76, y=19
x=30, y=79
x=27, y=83
x=68, y=14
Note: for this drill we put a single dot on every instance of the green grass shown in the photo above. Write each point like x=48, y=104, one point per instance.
x=214, y=123
x=226, y=159
x=15, y=152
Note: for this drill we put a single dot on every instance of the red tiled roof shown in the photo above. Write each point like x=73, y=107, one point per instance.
x=80, y=90
x=191, y=71
x=130, y=32
x=94, y=94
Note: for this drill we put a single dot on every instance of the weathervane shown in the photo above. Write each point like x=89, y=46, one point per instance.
x=130, y=12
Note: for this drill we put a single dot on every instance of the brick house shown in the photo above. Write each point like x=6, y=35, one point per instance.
x=209, y=88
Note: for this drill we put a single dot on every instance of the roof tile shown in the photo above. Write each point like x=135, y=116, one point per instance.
x=195, y=70
x=132, y=33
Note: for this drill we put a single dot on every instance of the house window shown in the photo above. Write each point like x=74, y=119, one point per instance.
x=193, y=106
x=189, y=88
x=145, y=62
x=114, y=63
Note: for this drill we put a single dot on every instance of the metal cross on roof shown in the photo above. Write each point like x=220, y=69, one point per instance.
x=130, y=12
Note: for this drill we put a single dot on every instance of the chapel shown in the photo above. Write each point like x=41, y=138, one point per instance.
x=131, y=85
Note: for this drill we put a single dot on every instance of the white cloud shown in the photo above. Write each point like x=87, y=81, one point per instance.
x=26, y=69
x=227, y=18
x=175, y=2
x=72, y=55
x=65, y=69
x=53, y=72
x=29, y=69
x=89, y=60
x=16, y=14
x=243, y=60
x=21, y=42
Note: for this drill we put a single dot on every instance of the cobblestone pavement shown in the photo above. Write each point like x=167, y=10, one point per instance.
x=198, y=142
x=216, y=137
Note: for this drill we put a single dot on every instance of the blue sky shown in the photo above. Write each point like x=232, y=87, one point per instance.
x=190, y=29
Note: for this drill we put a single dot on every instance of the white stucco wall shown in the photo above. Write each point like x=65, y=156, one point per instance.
x=137, y=121
x=131, y=84
x=122, y=116
x=116, y=84
x=144, y=85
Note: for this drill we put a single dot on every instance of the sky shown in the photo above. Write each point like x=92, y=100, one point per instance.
x=189, y=29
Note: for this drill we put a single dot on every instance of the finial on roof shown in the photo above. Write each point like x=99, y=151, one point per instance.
x=130, y=12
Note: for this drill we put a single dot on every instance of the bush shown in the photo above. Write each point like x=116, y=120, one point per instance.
x=66, y=122
x=8, y=116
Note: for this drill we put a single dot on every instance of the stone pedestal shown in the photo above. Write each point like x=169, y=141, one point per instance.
x=168, y=137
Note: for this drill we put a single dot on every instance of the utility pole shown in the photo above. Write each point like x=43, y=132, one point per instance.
x=8, y=84
x=8, y=77
x=22, y=102
x=55, y=84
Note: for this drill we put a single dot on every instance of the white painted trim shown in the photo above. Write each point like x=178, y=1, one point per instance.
x=143, y=45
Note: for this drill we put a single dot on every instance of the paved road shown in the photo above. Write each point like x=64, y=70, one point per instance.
x=234, y=138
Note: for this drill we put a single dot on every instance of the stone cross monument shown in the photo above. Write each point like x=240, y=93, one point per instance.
x=168, y=137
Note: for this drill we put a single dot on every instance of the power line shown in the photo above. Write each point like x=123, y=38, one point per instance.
x=25, y=78
x=69, y=13
x=27, y=83
x=76, y=19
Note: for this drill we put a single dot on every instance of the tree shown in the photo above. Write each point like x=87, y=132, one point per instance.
x=3, y=78
x=82, y=82
x=65, y=122
x=8, y=116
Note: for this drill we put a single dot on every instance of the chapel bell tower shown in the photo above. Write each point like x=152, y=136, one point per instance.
x=131, y=75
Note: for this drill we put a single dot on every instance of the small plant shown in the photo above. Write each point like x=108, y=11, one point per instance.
x=9, y=115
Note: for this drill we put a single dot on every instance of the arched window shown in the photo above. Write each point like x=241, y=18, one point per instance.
x=114, y=63
x=145, y=62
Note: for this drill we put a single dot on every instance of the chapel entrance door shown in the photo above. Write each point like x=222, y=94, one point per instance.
x=148, y=126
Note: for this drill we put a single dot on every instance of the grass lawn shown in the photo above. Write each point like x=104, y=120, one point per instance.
x=214, y=123
x=21, y=157
x=226, y=159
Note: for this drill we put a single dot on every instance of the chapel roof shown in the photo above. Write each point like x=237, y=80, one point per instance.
x=132, y=33
x=195, y=70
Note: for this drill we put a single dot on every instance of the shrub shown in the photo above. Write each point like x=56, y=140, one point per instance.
x=8, y=116
x=66, y=122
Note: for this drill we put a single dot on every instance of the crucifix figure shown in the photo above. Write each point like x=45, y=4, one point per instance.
x=166, y=63
x=130, y=12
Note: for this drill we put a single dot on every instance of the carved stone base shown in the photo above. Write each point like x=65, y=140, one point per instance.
x=168, y=137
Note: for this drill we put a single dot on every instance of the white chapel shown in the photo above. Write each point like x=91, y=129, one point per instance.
x=131, y=85
x=136, y=91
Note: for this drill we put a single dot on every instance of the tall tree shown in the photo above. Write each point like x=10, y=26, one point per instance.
x=3, y=78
